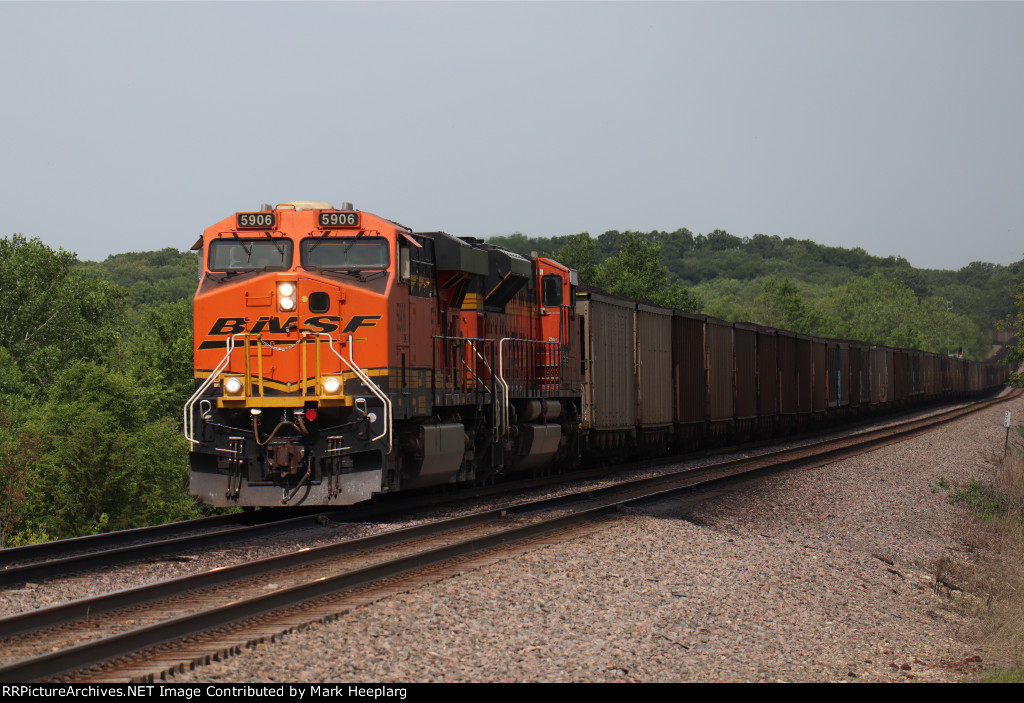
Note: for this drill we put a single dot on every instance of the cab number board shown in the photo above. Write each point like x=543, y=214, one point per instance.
x=339, y=219
x=257, y=219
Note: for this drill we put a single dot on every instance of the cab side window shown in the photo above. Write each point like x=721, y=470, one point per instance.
x=416, y=267
x=551, y=291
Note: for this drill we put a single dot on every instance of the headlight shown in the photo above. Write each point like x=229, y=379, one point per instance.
x=233, y=386
x=331, y=385
x=286, y=295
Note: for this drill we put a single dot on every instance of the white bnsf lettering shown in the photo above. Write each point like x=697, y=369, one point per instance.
x=271, y=324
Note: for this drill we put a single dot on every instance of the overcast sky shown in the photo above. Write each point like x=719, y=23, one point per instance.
x=896, y=127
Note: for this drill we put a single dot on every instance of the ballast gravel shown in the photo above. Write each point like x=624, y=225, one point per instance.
x=819, y=575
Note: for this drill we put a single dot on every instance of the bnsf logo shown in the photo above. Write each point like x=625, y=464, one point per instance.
x=274, y=325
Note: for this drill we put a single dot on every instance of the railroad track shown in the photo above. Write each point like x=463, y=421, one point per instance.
x=33, y=563
x=59, y=558
x=142, y=633
x=36, y=562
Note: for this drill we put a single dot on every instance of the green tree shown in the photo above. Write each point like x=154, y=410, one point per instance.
x=727, y=274
x=675, y=245
x=19, y=451
x=636, y=272
x=50, y=314
x=149, y=277
x=578, y=252
x=876, y=310
x=103, y=464
x=781, y=305
x=944, y=331
x=157, y=353
x=1015, y=351
x=729, y=299
x=12, y=382
x=610, y=244
x=720, y=240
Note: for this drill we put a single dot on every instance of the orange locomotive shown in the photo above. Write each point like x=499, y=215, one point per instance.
x=339, y=355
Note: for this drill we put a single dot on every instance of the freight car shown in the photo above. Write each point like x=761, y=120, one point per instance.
x=339, y=355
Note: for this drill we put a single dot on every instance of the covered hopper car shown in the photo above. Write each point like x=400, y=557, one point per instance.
x=340, y=355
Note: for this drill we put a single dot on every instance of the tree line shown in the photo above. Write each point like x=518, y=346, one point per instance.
x=792, y=284
x=95, y=365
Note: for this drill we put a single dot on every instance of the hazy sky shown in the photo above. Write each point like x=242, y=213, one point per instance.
x=896, y=127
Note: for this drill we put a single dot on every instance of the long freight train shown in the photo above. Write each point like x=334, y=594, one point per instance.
x=339, y=355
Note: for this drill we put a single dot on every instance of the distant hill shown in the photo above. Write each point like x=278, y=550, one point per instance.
x=150, y=277
x=729, y=275
x=783, y=282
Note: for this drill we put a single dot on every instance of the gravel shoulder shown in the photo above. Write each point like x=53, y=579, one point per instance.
x=820, y=575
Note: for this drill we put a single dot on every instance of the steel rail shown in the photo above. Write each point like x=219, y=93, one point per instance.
x=118, y=549
x=45, y=550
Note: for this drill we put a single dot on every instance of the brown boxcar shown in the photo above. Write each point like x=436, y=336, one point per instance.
x=689, y=372
x=890, y=378
x=719, y=360
x=879, y=373
x=787, y=373
x=609, y=401
x=858, y=373
x=804, y=375
x=653, y=350
x=845, y=377
x=931, y=375
x=974, y=379
x=745, y=337
x=900, y=375
x=819, y=375
x=838, y=374
x=767, y=372
x=957, y=367
x=916, y=384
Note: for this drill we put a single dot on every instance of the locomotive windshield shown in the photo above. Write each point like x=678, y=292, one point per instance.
x=348, y=254
x=250, y=255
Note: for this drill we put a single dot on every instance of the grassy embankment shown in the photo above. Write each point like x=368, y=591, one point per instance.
x=989, y=586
